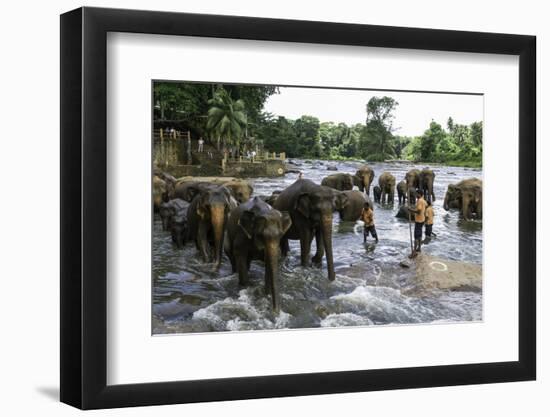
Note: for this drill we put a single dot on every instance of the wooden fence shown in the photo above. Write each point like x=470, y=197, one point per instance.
x=170, y=148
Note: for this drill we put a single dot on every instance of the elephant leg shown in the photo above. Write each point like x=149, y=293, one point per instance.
x=318, y=258
x=285, y=248
x=233, y=263
x=479, y=209
x=241, y=262
x=305, y=246
x=466, y=210
x=202, y=242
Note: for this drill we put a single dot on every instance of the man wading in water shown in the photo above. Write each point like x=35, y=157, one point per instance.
x=367, y=215
x=419, y=218
x=429, y=222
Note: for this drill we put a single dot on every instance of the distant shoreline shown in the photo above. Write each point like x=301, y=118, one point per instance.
x=457, y=164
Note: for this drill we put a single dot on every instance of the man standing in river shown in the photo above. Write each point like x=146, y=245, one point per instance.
x=429, y=220
x=419, y=219
x=367, y=215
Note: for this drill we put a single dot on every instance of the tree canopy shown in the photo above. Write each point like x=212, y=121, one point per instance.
x=231, y=114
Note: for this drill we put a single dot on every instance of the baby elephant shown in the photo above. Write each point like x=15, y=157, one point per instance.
x=179, y=229
x=377, y=193
x=254, y=231
x=171, y=208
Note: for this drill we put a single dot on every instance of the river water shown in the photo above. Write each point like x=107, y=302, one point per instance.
x=371, y=288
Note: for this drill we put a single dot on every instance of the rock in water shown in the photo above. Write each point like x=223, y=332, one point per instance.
x=406, y=263
x=443, y=274
x=403, y=213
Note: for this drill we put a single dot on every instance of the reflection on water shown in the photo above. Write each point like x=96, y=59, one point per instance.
x=370, y=286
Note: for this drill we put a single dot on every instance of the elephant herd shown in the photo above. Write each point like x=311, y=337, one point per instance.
x=220, y=215
x=466, y=195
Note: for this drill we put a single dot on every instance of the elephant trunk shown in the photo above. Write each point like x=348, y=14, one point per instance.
x=359, y=182
x=326, y=230
x=479, y=209
x=366, y=184
x=446, y=202
x=466, y=208
x=272, y=273
x=217, y=213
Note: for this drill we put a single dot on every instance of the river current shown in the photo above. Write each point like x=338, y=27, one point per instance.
x=371, y=288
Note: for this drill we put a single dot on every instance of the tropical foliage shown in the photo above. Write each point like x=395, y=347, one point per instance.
x=234, y=115
x=458, y=145
x=226, y=118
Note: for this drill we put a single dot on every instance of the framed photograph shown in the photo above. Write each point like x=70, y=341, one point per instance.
x=259, y=208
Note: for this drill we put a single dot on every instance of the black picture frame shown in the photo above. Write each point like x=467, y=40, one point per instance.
x=84, y=207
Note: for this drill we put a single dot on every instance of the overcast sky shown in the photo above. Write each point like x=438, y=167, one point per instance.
x=412, y=116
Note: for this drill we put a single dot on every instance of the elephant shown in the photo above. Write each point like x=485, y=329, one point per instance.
x=188, y=190
x=170, y=209
x=363, y=178
x=402, y=192
x=402, y=195
x=270, y=199
x=240, y=189
x=426, y=184
x=467, y=196
x=386, y=181
x=412, y=196
x=403, y=213
x=207, y=219
x=254, y=231
x=340, y=182
x=413, y=179
x=179, y=229
x=161, y=192
x=377, y=191
x=168, y=178
x=351, y=206
x=310, y=207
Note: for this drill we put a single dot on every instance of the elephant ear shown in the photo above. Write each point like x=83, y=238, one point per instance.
x=302, y=204
x=191, y=192
x=228, y=196
x=340, y=201
x=246, y=223
x=286, y=221
x=201, y=204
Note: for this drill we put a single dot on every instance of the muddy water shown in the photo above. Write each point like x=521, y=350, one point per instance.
x=370, y=287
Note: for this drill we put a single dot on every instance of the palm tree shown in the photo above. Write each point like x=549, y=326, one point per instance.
x=226, y=118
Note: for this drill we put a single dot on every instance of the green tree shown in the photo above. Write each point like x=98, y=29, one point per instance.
x=226, y=118
x=400, y=143
x=429, y=141
x=377, y=140
x=476, y=133
x=181, y=101
x=306, y=129
x=277, y=134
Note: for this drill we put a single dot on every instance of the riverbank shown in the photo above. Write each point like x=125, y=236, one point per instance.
x=457, y=164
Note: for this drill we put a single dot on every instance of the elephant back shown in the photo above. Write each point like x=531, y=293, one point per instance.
x=386, y=179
